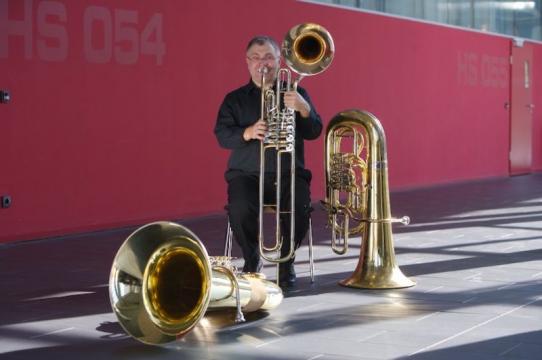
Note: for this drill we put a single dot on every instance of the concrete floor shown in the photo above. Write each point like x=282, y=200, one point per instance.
x=474, y=249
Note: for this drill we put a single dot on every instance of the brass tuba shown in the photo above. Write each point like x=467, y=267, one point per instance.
x=162, y=282
x=360, y=175
x=307, y=50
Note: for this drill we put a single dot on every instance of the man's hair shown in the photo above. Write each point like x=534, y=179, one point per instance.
x=261, y=40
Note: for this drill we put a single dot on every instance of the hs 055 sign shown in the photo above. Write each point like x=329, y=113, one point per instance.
x=106, y=36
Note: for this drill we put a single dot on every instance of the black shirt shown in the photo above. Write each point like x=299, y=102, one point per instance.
x=240, y=109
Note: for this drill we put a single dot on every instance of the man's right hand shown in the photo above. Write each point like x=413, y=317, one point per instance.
x=255, y=131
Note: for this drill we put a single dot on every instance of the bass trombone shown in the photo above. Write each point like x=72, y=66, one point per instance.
x=307, y=49
x=360, y=175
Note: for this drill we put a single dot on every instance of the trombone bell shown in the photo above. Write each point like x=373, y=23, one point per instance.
x=308, y=49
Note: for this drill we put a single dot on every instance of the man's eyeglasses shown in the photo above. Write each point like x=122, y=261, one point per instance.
x=266, y=58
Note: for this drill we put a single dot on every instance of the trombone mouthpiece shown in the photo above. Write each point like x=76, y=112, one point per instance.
x=263, y=70
x=405, y=220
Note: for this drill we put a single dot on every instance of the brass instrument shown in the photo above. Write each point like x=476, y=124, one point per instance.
x=361, y=176
x=162, y=282
x=307, y=50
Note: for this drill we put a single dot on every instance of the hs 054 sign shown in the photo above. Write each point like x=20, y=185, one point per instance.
x=106, y=35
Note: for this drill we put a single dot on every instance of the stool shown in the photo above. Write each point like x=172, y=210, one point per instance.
x=228, y=241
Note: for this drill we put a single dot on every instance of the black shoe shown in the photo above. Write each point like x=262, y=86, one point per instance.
x=253, y=266
x=287, y=276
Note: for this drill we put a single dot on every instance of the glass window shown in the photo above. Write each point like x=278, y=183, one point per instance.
x=509, y=17
x=460, y=13
x=409, y=8
x=436, y=11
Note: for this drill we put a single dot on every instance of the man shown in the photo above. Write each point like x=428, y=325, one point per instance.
x=239, y=128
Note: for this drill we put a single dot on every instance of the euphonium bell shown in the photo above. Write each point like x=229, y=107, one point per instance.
x=307, y=50
x=357, y=198
x=162, y=282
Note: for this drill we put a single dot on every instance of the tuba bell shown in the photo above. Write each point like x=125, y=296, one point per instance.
x=307, y=50
x=162, y=282
x=357, y=198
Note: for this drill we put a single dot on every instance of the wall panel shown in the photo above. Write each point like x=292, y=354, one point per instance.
x=106, y=128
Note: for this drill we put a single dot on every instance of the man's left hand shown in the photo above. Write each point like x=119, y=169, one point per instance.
x=293, y=100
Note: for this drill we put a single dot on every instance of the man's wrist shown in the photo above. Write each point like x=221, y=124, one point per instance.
x=306, y=112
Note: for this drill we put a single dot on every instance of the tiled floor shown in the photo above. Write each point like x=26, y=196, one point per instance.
x=474, y=249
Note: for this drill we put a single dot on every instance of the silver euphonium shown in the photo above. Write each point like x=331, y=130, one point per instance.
x=307, y=50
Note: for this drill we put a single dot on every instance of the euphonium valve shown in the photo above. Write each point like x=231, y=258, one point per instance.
x=357, y=198
x=162, y=282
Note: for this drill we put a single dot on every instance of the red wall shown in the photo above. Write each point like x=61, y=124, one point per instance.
x=537, y=111
x=111, y=136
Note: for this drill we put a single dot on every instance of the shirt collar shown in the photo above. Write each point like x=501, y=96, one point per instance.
x=250, y=86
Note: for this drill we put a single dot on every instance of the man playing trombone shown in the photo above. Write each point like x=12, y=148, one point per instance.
x=241, y=129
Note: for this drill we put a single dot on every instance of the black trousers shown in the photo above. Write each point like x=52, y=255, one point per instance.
x=243, y=211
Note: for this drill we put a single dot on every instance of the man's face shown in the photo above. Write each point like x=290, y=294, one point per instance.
x=260, y=56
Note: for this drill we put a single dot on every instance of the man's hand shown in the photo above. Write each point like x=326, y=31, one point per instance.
x=295, y=101
x=255, y=131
